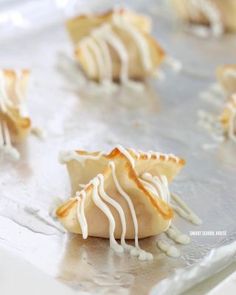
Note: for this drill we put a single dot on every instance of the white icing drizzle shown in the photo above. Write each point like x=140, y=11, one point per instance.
x=118, y=45
x=176, y=235
x=167, y=248
x=66, y=156
x=211, y=12
x=91, y=43
x=149, y=187
x=135, y=251
x=98, y=36
x=12, y=102
x=80, y=213
x=138, y=38
x=91, y=66
x=5, y=142
x=184, y=211
x=105, y=209
x=117, y=206
x=98, y=43
x=150, y=154
x=175, y=64
x=105, y=33
x=160, y=185
x=211, y=124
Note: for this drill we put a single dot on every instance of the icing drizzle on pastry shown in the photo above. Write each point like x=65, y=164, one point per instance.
x=156, y=185
x=105, y=35
x=231, y=106
x=7, y=103
x=211, y=11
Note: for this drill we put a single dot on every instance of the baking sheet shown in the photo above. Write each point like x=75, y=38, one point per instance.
x=163, y=117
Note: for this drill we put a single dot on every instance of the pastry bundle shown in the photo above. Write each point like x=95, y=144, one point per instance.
x=115, y=46
x=120, y=195
x=219, y=16
x=15, y=123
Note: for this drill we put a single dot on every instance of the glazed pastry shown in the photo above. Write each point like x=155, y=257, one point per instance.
x=218, y=15
x=115, y=46
x=120, y=195
x=226, y=76
x=15, y=123
x=228, y=118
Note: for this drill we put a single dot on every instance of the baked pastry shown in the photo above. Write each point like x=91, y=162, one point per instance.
x=226, y=76
x=116, y=45
x=14, y=120
x=218, y=15
x=228, y=118
x=120, y=195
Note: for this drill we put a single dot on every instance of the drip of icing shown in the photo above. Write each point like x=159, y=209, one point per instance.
x=91, y=43
x=139, y=39
x=160, y=184
x=118, y=45
x=5, y=142
x=149, y=155
x=98, y=36
x=39, y=132
x=173, y=63
x=143, y=255
x=126, y=153
x=98, y=43
x=67, y=156
x=210, y=123
x=91, y=66
x=149, y=187
x=159, y=74
x=117, y=206
x=105, y=209
x=184, y=210
x=80, y=213
x=177, y=236
x=170, y=250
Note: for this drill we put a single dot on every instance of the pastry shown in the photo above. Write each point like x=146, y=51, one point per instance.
x=226, y=76
x=218, y=15
x=120, y=195
x=115, y=46
x=228, y=118
x=14, y=120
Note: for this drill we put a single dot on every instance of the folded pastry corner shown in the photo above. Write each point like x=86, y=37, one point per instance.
x=116, y=45
x=226, y=75
x=120, y=195
x=218, y=15
x=228, y=118
x=15, y=123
